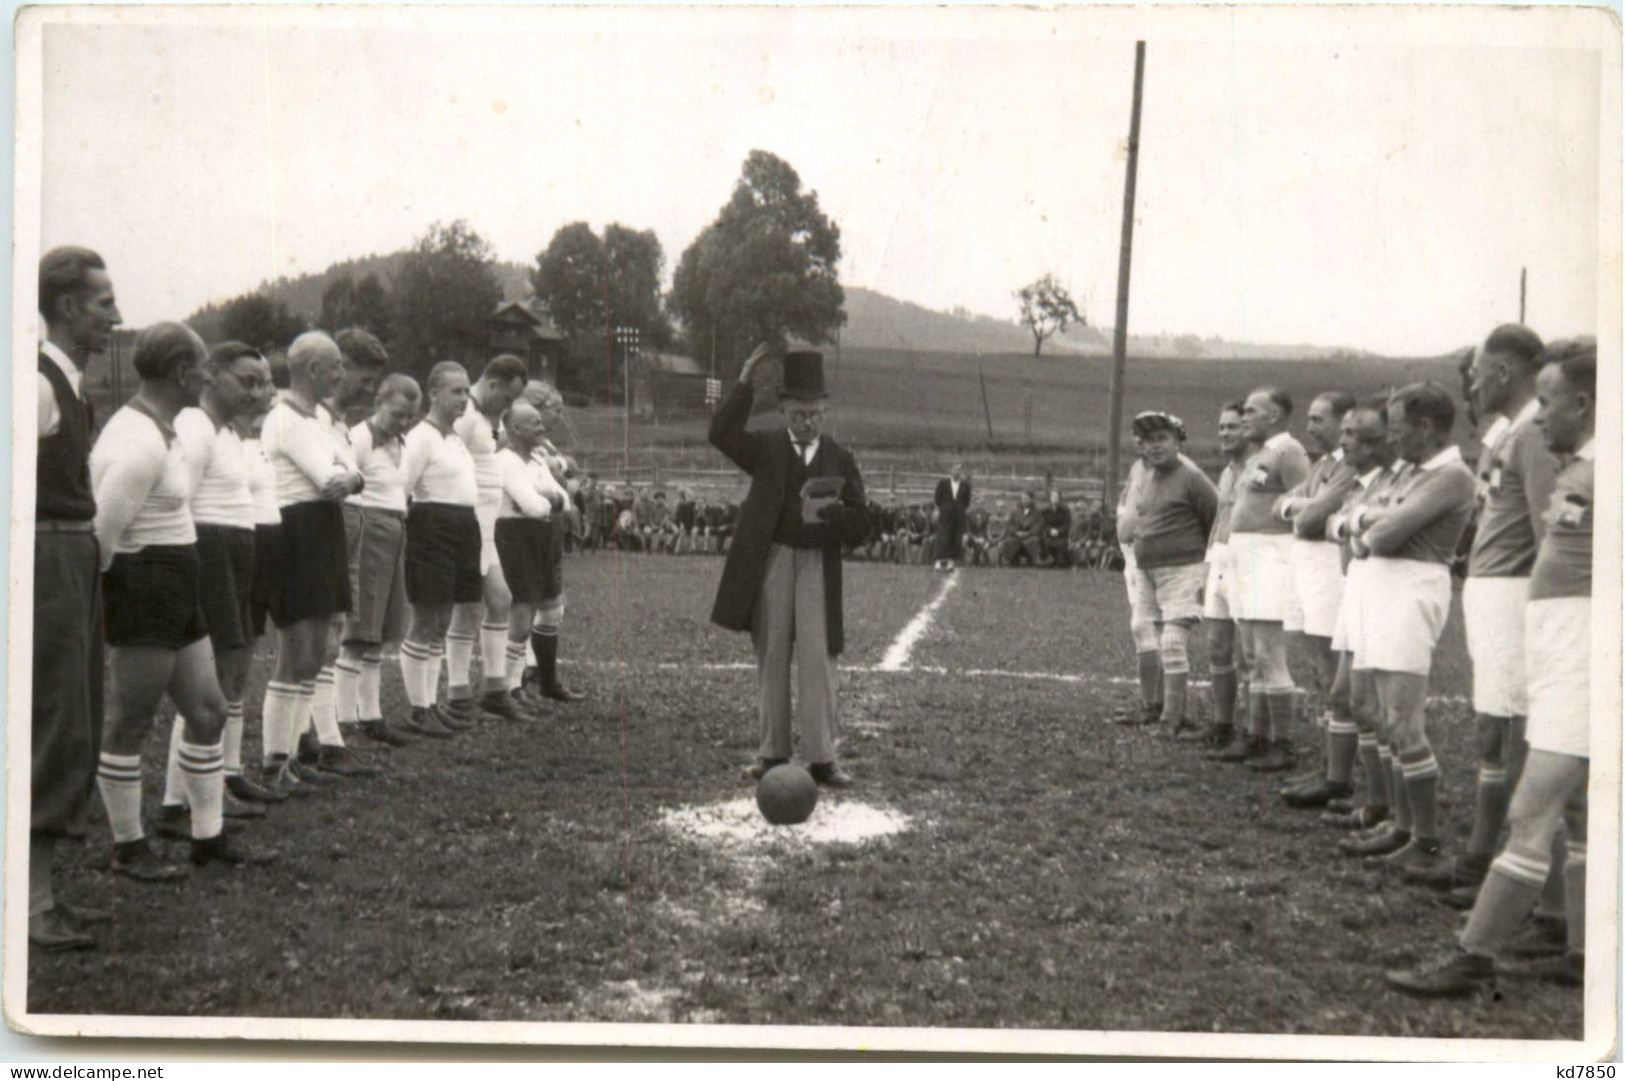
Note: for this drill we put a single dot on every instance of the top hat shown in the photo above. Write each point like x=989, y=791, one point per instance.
x=804, y=376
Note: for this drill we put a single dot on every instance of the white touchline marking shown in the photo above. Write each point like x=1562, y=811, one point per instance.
x=896, y=658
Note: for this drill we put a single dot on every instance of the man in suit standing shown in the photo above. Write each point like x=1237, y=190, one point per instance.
x=77, y=304
x=782, y=578
x=953, y=500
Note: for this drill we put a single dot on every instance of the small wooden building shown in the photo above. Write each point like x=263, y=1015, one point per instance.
x=525, y=329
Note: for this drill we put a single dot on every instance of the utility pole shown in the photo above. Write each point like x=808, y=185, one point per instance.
x=1114, y=422
x=1523, y=291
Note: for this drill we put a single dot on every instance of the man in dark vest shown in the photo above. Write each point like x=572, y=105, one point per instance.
x=76, y=301
x=782, y=578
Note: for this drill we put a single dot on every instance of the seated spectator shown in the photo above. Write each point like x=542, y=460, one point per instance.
x=627, y=537
x=916, y=534
x=1077, y=542
x=1055, y=530
x=725, y=529
x=1021, y=535
x=976, y=536
x=684, y=518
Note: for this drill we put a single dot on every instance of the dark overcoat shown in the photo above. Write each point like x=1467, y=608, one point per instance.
x=766, y=457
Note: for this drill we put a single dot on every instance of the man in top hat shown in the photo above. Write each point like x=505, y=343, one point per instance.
x=782, y=578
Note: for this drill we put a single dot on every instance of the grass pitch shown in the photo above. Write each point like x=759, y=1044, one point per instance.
x=1029, y=864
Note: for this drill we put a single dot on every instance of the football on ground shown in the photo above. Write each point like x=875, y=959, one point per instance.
x=786, y=795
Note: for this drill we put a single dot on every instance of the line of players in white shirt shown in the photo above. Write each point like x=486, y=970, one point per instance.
x=221, y=502
x=1353, y=553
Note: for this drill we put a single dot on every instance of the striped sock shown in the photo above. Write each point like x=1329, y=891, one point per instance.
x=372, y=672
x=118, y=777
x=1371, y=762
x=1509, y=891
x=494, y=656
x=203, y=767
x=232, y=741
x=459, y=659
x=323, y=707
x=276, y=723
x=1490, y=802
x=1574, y=895
x=1422, y=791
x=174, y=784
x=346, y=690
x=414, y=660
x=1342, y=744
x=516, y=664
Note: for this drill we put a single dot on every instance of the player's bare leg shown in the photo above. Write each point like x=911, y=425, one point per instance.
x=420, y=670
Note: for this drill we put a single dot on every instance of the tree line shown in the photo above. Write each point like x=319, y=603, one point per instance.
x=765, y=269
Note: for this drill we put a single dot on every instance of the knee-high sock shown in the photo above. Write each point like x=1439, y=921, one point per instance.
x=1342, y=744
x=322, y=707
x=347, y=690
x=1385, y=776
x=1489, y=810
x=305, y=720
x=368, y=707
x=415, y=674
x=1422, y=793
x=1224, y=695
x=1376, y=795
x=545, y=641
x=1150, y=671
x=1574, y=894
x=1175, y=671
x=1553, y=896
x=1509, y=892
x=232, y=741
x=494, y=656
x=1258, y=714
x=1400, y=795
x=1283, y=707
x=174, y=783
x=203, y=768
x=118, y=777
x=459, y=659
x=516, y=665
x=437, y=662
x=282, y=702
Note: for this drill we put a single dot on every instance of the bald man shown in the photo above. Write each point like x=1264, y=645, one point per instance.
x=158, y=641
x=548, y=622
x=312, y=480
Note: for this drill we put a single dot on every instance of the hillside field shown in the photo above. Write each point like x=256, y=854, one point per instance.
x=920, y=407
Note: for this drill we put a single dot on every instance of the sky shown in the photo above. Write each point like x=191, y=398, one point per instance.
x=1368, y=178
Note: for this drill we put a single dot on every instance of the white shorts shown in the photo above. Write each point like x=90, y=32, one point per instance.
x=1317, y=586
x=1402, y=614
x=1558, y=640
x=1349, y=614
x=487, y=514
x=1141, y=623
x=1216, y=593
x=1260, y=576
x=1494, y=611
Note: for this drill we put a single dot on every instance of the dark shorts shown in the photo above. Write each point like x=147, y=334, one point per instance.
x=379, y=582
x=314, y=578
x=532, y=553
x=442, y=555
x=267, y=573
x=150, y=597
x=226, y=584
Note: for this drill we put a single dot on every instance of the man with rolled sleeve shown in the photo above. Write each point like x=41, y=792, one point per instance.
x=1176, y=505
x=782, y=578
x=77, y=303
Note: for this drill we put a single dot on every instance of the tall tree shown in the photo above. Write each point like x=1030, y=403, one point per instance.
x=445, y=292
x=764, y=270
x=1046, y=310
x=258, y=320
x=349, y=303
x=592, y=285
